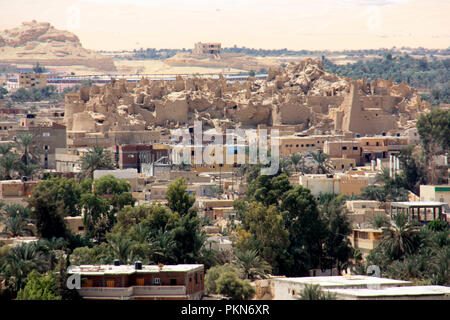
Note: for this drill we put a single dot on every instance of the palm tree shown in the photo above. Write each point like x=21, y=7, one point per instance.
x=5, y=148
x=315, y=292
x=323, y=162
x=16, y=226
x=20, y=261
x=122, y=249
x=399, y=238
x=252, y=265
x=96, y=159
x=379, y=221
x=295, y=159
x=162, y=246
x=26, y=143
x=9, y=164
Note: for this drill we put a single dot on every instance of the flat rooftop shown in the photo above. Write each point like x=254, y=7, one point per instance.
x=347, y=281
x=96, y=270
x=418, y=204
x=395, y=292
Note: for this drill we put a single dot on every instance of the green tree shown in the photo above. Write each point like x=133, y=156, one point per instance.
x=307, y=231
x=96, y=159
x=100, y=207
x=38, y=69
x=178, y=198
x=263, y=229
x=27, y=144
x=39, y=287
x=231, y=286
x=19, y=262
x=213, y=274
x=379, y=221
x=251, y=264
x=322, y=161
x=338, y=249
x=9, y=164
x=400, y=237
x=16, y=220
x=48, y=214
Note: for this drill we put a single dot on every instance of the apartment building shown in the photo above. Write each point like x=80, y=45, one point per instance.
x=140, y=282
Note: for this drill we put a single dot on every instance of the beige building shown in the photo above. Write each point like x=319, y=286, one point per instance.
x=351, y=149
x=207, y=48
x=75, y=224
x=32, y=80
x=295, y=144
x=365, y=240
x=435, y=193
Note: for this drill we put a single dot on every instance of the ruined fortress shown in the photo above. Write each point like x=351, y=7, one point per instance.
x=302, y=94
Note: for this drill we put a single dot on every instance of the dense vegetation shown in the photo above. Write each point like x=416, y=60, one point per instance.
x=35, y=94
x=418, y=73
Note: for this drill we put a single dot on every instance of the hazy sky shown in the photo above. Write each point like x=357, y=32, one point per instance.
x=292, y=24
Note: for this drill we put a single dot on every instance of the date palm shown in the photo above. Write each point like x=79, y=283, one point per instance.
x=322, y=161
x=399, y=238
x=96, y=159
x=5, y=148
x=9, y=164
x=251, y=264
x=26, y=143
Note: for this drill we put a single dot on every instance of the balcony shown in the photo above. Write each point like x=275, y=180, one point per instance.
x=131, y=292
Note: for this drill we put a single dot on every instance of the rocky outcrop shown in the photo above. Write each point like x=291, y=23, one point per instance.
x=40, y=42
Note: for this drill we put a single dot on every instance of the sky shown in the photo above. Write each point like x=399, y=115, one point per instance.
x=268, y=24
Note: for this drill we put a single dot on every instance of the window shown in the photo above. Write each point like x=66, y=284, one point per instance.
x=364, y=235
x=173, y=282
x=80, y=228
x=355, y=148
x=88, y=283
x=344, y=148
x=307, y=144
x=367, y=143
x=296, y=145
x=196, y=278
x=156, y=281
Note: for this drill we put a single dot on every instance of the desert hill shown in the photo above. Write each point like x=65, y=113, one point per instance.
x=41, y=42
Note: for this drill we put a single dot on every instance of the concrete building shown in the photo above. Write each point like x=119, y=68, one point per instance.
x=420, y=211
x=134, y=155
x=207, y=48
x=361, y=212
x=294, y=144
x=140, y=282
x=365, y=240
x=347, y=184
x=67, y=162
x=394, y=293
x=381, y=147
x=350, y=149
x=31, y=80
x=289, y=288
x=439, y=193
x=75, y=224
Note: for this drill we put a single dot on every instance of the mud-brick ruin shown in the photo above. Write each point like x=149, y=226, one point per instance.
x=302, y=94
